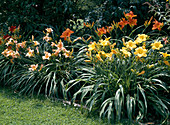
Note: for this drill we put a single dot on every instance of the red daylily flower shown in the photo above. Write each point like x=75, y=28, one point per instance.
x=6, y=36
x=12, y=28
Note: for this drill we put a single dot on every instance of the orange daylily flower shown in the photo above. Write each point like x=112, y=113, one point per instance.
x=130, y=15
x=148, y=23
x=141, y=73
x=0, y=42
x=101, y=31
x=157, y=25
x=167, y=63
x=123, y=22
x=88, y=25
x=109, y=28
x=132, y=22
x=66, y=33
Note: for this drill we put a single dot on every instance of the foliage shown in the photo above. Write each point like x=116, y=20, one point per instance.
x=111, y=10
x=161, y=10
x=29, y=14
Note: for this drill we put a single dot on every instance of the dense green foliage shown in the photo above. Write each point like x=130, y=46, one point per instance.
x=29, y=14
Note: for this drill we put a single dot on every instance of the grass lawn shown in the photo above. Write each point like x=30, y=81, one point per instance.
x=21, y=110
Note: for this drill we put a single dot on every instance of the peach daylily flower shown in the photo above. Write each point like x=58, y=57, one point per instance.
x=49, y=30
x=56, y=51
x=10, y=42
x=30, y=53
x=47, y=38
x=33, y=67
x=53, y=44
x=22, y=45
x=36, y=43
x=60, y=45
x=37, y=50
x=66, y=54
x=47, y=55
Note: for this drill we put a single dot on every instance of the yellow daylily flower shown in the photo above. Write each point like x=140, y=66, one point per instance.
x=87, y=60
x=130, y=44
x=157, y=45
x=140, y=52
x=99, y=57
x=92, y=46
x=137, y=41
x=102, y=53
x=150, y=66
x=104, y=42
x=164, y=54
x=125, y=52
x=143, y=37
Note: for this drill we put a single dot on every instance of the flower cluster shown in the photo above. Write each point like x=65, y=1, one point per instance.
x=101, y=50
x=129, y=16
x=104, y=49
x=31, y=49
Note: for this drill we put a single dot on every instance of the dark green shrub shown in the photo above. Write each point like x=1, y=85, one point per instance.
x=29, y=13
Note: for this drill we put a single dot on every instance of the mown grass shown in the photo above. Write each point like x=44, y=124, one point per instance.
x=21, y=110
